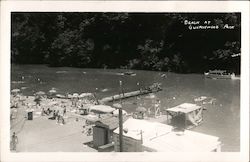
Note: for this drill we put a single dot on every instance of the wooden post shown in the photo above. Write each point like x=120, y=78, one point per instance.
x=218, y=149
x=141, y=137
x=96, y=97
x=120, y=130
x=167, y=117
x=121, y=122
x=185, y=123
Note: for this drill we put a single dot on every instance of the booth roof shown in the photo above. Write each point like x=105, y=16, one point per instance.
x=184, y=108
x=110, y=123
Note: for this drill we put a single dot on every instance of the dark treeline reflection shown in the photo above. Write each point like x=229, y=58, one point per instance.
x=149, y=41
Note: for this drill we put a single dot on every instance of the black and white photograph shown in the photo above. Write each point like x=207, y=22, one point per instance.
x=125, y=81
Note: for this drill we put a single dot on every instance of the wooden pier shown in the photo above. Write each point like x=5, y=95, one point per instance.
x=151, y=89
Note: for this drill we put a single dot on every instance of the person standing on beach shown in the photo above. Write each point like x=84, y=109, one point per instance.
x=42, y=112
x=64, y=110
x=58, y=117
x=14, y=141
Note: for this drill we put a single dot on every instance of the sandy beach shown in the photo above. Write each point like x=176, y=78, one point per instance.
x=44, y=135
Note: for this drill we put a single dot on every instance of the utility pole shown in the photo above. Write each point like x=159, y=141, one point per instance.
x=141, y=136
x=121, y=121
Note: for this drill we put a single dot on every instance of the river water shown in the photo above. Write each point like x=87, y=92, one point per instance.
x=221, y=119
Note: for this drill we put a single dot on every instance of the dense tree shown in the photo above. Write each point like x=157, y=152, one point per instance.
x=151, y=41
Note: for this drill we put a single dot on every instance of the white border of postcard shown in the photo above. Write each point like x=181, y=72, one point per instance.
x=122, y=6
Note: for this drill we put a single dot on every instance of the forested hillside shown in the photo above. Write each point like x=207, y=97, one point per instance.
x=177, y=42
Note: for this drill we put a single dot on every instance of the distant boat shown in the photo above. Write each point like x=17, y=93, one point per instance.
x=129, y=73
x=59, y=72
x=219, y=74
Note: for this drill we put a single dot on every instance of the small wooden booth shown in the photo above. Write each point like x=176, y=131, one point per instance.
x=30, y=114
x=185, y=116
x=103, y=132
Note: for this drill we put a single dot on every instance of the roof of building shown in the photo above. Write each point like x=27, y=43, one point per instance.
x=184, y=108
x=134, y=127
x=160, y=137
x=190, y=141
x=110, y=123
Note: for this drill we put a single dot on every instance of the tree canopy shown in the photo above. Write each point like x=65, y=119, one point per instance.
x=178, y=42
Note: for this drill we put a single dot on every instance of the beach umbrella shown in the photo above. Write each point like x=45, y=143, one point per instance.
x=24, y=87
x=29, y=110
x=52, y=91
x=101, y=109
x=59, y=108
x=152, y=96
x=31, y=104
x=141, y=109
x=69, y=95
x=22, y=98
x=82, y=95
x=15, y=90
x=117, y=105
x=75, y=95
x=116, y=112
x=40, y=93
x=52, y=103
x=60, y=96
x=91, y=118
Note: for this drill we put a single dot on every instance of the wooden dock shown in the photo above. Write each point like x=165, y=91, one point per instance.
x=151, y=89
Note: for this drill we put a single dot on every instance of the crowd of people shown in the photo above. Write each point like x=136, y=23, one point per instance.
x=56, y=115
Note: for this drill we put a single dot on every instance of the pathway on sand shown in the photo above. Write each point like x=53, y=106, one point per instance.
x=45, y=135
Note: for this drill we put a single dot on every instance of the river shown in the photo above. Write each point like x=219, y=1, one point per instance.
x=221, y=119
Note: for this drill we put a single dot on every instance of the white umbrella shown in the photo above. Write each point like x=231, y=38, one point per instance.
x=29, y=110
x=116, y=112
x=101, y=109
x=31, y=104
x=85, y=95
x=40, y=93
x=58, y=108
x=117, y=105
x=52, y=103
x=75, y=95
x=52, y=91
x=60, y=96
x=152, y=96
x=91, y=118
x=15, y=90
x=70, y=96
x=141, y=109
